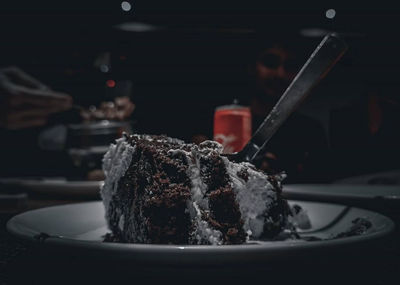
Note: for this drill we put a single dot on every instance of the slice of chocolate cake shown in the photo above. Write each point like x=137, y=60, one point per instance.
x=161, y=190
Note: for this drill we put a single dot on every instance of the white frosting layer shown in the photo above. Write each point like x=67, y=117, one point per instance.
x=203, y=231
x=199, y=201
x=254, y=196
x=115, y=163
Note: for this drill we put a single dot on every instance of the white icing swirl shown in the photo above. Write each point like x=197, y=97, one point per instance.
x=198, y=202
x=254, y=196
x=115, y=163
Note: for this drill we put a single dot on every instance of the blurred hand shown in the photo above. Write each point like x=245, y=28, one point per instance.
x=25, y=101
x=119, y=110
x=124, y=106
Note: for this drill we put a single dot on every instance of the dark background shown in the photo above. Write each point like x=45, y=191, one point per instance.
x=192, y=57
x=196, y=58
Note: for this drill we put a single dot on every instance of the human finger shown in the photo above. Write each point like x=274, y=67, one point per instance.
x=23, y=78
x=125, y=107
x=125, y=113
x=42, y=98
x=22, y=114
x=25, y=122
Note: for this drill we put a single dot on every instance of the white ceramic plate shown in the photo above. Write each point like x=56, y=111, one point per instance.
x=82, y=227
x=53, y=186
x=391, y=177
x=375, y=196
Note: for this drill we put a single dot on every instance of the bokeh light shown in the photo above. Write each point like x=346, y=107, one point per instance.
x=126, y=6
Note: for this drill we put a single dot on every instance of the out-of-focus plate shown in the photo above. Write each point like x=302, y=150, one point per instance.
x=81, y=228
x=376, y=197
x=53, y=186
x=391, y=177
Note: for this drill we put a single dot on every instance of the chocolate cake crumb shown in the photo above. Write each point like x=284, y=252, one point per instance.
x=244, y=174
x=359, y=226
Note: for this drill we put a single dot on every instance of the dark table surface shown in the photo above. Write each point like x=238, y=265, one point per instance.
x=25, y=263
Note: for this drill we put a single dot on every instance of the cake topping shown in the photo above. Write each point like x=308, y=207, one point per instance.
x=115, y=163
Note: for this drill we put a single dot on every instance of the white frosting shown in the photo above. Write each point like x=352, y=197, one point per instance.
x=254, y=196
x=198, y=201
x=115, y=163
x=121, y=222
x=203, y=231
x=159, y=139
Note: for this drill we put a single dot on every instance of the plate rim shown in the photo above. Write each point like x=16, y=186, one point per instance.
x=337, y=198
x=45, y=181
x=260, y=247
x=76, y=188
